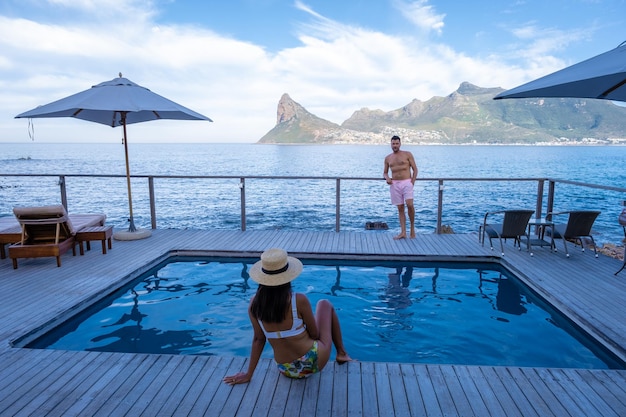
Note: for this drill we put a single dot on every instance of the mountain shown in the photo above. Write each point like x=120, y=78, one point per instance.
x=468, y=115
x=296, y=125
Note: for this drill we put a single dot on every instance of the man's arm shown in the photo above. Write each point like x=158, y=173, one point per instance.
x=386, y=171
x=413, y=168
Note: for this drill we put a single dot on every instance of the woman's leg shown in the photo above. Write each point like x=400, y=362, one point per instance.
x=330, y=334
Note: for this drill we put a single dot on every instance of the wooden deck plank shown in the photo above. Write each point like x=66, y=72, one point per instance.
x=398, y=391
x=154, y=396
x=281, y=394
x=29, y=393
x=300, y=241
x=59, y=383
x=564, y=391
x=133, y=384
x=354, y=390
x=411, y=387
x=223, y=393
x=15, y=365
x=312, y=241
x=63, y=385
x=214, y=391
x=500, y=390
x=488, y=396
x=59, y=402
x=599, y=391
x=325, y=386
x=523, y=394
x=266, y=392
x=440, y=387
x=203, y=371
x=103, y=387
x=293, y=403
x=457, y=393
x=615, y=391
x=428, y=391
x=368, y=384
x=383, y=388
x=340, y=388
x=174, y=387
x=472, y=393
x=250, y=392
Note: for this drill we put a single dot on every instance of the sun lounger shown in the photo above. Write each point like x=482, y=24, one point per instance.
x=11, y=231
x=47, y=231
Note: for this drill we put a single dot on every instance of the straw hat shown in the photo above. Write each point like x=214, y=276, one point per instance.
x=275, y=268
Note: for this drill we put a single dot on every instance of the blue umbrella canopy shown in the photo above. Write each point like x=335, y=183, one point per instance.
x=106, y=102
x=118, y=102
x=600, y=77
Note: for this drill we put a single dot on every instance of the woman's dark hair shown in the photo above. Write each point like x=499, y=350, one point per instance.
x=270, y=303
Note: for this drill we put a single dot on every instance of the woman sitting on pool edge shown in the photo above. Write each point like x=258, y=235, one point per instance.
x=301, y=341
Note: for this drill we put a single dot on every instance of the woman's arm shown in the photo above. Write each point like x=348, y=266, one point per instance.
x=258, y=343
x=306, y=312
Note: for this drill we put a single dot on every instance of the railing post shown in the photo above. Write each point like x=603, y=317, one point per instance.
x=63, y=191
x=539, y=206
x=439, y=206
x=242, y=188
x=337, y=204
x=152, y=202
x=550, y=207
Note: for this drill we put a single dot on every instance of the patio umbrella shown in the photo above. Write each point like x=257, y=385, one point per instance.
x=601, y=77
x=118, y=102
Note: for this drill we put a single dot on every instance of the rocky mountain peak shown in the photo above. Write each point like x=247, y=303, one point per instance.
x=294, y=124
x=469, y=89
x=288, y=109
x=414, y=108
x=467, y=115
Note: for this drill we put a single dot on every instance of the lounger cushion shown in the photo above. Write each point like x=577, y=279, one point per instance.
x=7, y=223
x=44, y=215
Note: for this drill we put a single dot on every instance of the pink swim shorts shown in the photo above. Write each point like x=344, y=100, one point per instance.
x=401, y=190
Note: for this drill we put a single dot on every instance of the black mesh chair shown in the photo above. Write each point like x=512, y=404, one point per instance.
x=578, y=226
x=514, y=225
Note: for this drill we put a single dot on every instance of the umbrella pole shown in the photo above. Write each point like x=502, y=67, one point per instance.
x=131, y=226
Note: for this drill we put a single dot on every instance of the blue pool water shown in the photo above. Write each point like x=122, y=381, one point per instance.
x=473, y=314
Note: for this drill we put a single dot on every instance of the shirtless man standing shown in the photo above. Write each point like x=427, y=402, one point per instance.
x=404, y=173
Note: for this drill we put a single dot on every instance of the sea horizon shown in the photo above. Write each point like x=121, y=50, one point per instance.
x=622, y=143
x=309, y=205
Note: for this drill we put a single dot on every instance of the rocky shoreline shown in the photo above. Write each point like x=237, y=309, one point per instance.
x=614, y=251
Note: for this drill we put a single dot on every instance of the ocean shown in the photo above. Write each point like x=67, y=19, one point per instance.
x=292, y=203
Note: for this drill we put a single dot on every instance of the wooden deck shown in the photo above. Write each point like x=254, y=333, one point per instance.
x=67, y=383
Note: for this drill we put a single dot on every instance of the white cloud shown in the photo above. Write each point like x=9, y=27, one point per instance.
x=538, y=48
x=335, y=70
x=108, y=9
x=422, y=15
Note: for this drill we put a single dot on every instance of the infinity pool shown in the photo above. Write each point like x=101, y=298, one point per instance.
x=415, y=312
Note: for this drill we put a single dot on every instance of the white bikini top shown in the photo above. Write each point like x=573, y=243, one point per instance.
x=296, y=328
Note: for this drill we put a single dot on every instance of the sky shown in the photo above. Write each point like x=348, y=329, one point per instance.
x=232, y=60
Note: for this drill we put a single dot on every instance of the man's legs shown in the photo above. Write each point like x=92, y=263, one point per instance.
x=402, y=217
x=411, y=209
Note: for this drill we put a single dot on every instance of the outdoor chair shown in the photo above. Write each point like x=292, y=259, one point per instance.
x=578, y=226
x=514, y=225
x=47, y=231
x=11, y=230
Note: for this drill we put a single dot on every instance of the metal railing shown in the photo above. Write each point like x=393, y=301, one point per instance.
x=542, y=200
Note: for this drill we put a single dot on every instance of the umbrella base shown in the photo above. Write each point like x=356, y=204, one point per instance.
x=136, y=235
